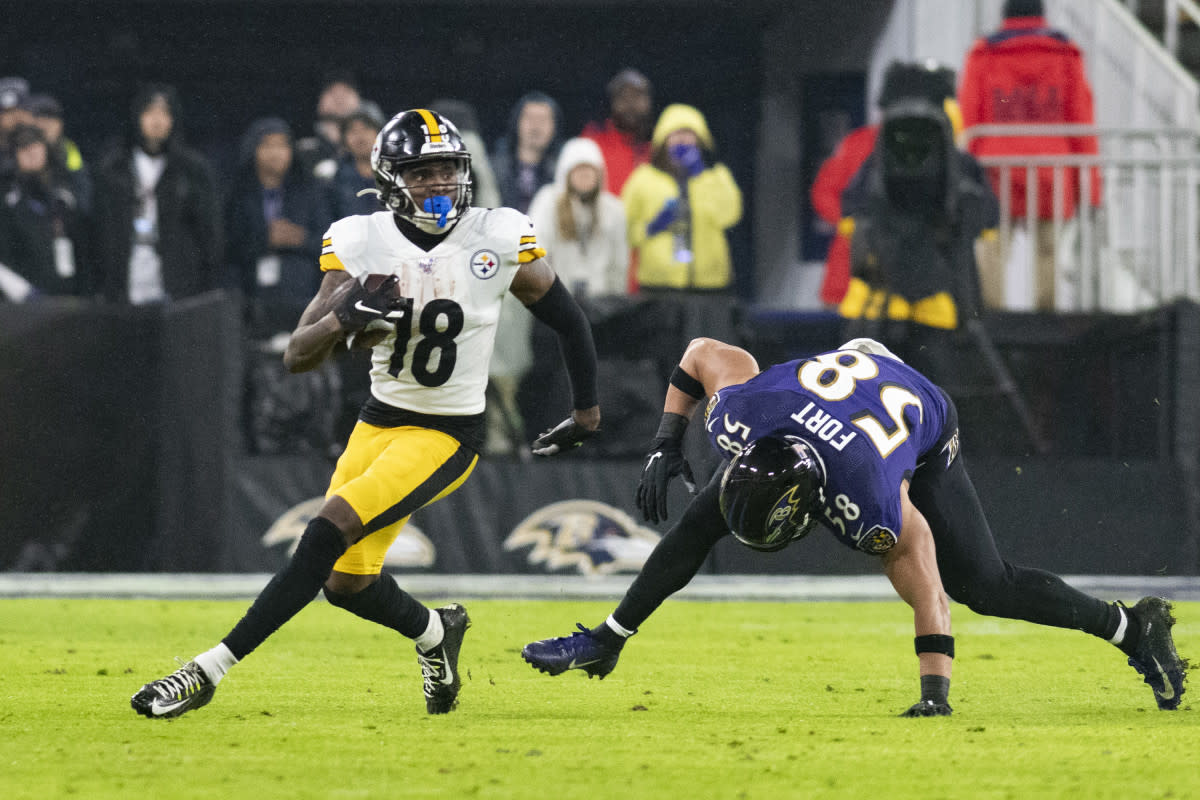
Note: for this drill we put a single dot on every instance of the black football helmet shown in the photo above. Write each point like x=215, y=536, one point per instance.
x=772, y=492
x=415, y=137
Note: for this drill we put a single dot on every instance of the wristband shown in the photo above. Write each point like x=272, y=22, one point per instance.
x=672, y=426
x=935, y=643
x=685, y=383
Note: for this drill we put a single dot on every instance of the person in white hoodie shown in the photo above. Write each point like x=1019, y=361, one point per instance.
x=581, y=225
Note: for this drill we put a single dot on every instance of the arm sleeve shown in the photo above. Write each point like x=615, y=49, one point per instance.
x=558, y=309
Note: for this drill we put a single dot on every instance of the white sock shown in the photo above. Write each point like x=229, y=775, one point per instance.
x=433, y=634
x=1119, y=636
x=216, y=662
x=616, y=627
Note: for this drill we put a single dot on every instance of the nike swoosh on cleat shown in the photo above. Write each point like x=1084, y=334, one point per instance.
x=160, y=709
x=576, y=665
x=1168, y=692
x=361, y=307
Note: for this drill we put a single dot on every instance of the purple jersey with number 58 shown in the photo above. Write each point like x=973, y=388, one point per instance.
x=871, y=418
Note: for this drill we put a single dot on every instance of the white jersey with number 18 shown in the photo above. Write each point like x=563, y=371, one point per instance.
x=435, y=358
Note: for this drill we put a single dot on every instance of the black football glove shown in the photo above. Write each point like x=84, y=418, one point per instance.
x=929, y=708
x=566, y=435
x=362, y=306
x=664, y=461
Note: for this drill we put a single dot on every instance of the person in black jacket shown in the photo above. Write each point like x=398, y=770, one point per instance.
x=41, y=225
x=524, y=158
x=354, y=172
x=158, y=214
x=275, y=217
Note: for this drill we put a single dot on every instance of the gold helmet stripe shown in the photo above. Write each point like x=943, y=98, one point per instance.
x=431, y=125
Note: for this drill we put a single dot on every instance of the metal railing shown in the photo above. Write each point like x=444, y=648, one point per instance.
x=1135, y=80
x=1173, y=12
x=1140, y=248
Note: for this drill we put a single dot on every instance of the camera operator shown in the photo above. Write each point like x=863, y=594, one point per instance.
x=917, y=204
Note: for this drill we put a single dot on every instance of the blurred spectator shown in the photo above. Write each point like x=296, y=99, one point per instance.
x=679, y=206
x=1028, y=73
x=275, y=217
x=582, y=225
x=48, y=115
x=917, y=206
x=624, y=137
x=354, y=172
x=524, y=157
x=837, y=171
x=158, y=229
x=832, y=179
x=14, y=111
x=337, y=99
x=485, y=191
x=41, y=226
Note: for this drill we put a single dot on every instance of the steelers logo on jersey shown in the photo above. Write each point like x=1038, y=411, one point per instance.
x=877, y=541
x=484, y=264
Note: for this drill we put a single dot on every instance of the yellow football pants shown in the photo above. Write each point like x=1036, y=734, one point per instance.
x=385, y=475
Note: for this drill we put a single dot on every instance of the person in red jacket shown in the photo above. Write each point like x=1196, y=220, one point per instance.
x=1028, y=73
x=832, y=178
x=624, y=137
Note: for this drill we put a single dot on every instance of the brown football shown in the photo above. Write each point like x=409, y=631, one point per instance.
x=373, y=281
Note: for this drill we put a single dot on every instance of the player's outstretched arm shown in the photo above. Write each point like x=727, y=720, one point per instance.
x=911, y=566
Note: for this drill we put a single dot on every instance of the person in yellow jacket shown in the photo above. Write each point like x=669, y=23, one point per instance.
x=679, y=206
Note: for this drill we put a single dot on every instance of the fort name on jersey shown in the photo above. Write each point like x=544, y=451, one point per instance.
x=824, y=426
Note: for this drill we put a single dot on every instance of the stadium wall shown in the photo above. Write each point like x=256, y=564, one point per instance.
x=133, y=459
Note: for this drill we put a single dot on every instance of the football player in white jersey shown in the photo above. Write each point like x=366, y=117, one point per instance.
x=420, y=283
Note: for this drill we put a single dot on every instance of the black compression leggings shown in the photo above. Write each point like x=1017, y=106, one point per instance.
x=972, y=569
x=677, y=557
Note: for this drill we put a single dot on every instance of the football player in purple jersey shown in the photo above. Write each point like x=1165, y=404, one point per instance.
x=858, y=441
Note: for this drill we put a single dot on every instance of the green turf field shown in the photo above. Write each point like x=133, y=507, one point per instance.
x=710, y=700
